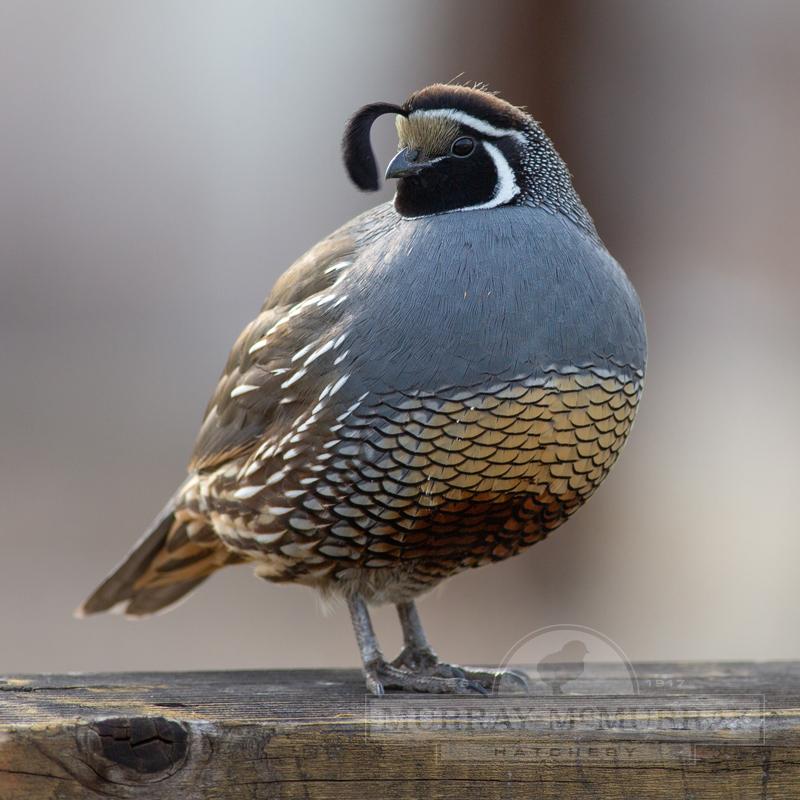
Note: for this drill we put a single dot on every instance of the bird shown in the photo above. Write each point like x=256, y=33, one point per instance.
x=436, y=386
x=563, y=666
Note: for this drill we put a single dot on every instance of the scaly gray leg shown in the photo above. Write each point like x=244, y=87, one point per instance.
x=417, y=654
x=380, y=675
x=418, y=657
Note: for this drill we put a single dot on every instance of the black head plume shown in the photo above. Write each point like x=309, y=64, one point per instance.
x=356, y=148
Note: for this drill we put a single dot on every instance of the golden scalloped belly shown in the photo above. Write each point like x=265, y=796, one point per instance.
x=481, y=475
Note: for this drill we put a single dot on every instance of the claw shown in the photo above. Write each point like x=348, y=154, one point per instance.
x=374, y=686
x=516, y=682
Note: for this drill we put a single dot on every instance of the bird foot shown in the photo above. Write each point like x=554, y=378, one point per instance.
x=419, y=670
x=382, y=676
x=492, y=680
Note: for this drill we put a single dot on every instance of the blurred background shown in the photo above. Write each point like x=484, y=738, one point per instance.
x=162, y=162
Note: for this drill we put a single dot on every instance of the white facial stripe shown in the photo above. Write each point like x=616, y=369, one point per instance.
x=506, y=188
x=467, y=119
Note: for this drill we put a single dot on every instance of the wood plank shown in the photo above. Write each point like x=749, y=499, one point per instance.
x=691, y=731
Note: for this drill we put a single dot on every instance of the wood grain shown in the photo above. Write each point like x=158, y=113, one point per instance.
x=692, y=731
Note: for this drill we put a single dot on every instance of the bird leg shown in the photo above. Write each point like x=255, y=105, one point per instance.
x=371, y=656
x=381, y=676
x=418, y=657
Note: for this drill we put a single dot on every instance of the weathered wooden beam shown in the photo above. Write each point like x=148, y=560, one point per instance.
x=691, y=731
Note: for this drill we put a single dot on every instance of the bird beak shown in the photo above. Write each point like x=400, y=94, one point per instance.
x=406, y=163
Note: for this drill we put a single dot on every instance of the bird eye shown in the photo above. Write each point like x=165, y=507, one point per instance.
x=463, y=146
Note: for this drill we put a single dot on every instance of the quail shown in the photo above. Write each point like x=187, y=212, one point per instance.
x=435, y=386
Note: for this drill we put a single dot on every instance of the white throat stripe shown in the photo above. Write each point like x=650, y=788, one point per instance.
x=506, y=188
x=467, y=119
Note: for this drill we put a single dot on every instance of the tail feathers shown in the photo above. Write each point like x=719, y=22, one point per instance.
x=161, y=598
x=174, y=556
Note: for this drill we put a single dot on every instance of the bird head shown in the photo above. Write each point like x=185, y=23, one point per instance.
x=460, y=149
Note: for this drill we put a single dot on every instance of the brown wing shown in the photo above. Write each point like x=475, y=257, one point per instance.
x=249, y=392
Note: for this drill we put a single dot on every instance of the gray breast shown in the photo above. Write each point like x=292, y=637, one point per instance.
x=456, y=299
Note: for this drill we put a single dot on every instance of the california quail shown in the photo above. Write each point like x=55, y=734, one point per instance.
x=422, y=392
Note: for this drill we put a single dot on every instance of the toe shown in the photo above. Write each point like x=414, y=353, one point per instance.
x=372, y=676
x=488, y=680
x=390, y=677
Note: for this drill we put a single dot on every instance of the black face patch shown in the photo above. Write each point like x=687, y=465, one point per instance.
x=447, y=185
